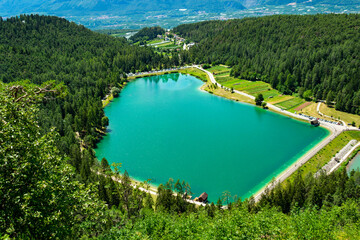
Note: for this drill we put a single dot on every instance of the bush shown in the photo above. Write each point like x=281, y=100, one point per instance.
x=115, y=91
x=259, y=99
x=206, y=66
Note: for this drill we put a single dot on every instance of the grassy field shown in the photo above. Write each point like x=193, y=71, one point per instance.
x=347, y=117
x=196, y=73
x=172, y=46
x=157, y=40
x=216, y=70
x=291, y=103
x=325, y=154
x=209, y=87
x=167, y=44
x=330, y=111
x=222, y=76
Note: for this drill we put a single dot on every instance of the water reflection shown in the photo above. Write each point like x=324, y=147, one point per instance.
x=163, y=78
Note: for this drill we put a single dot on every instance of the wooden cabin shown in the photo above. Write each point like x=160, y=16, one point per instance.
x=315, y=122
x=203, y=197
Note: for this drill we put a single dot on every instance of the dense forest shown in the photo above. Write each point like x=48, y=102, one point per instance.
x=37, y=49
x=294, y=53
x=53, y=76
x=147, y=33
x=89, y=64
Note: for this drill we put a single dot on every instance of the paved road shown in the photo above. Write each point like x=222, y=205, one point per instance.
x=344, y=158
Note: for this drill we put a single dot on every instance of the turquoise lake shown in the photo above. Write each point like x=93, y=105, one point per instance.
x=165, y=127
x=354, y=164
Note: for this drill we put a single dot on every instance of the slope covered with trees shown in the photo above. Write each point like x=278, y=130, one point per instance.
x=50, y=185
x=54, y=74
x=320, y=53
x=42, y=48
x=147, y=33
x=93, y=7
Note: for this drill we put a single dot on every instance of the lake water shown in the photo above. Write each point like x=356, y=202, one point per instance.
x=165, y=127
x=354, y=164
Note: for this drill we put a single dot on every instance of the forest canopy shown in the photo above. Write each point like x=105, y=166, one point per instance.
x=53, y=75
x=293, y=53
x=147, y=34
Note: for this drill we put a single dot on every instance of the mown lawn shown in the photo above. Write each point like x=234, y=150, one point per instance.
x=290, y=103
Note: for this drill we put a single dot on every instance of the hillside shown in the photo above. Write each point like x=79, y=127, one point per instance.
x=147, y=34
x=132, y=14
x=69, y=7
x=53, y=75
x=319, y=53
x=91, y=7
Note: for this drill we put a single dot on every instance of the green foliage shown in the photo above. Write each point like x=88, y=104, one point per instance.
x=206, y=66
x=317, y=53
x=88, y=64
x=307, y=95
x=259, y=99
x=147, y=34
x=263, y=104
x=40, y=198
x=239, y=223
x=43, y=196
x=322, y=192
x=115, y=91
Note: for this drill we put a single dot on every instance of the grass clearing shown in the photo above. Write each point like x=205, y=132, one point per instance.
x=311, y=111
x=279, y=98
x=290, y=103
x=347, y=117
x=226, y=94
x=219, y=70
x=196, y=73
x=170, y=46
x=273, y=96
x=157, y=40
x=118, y=35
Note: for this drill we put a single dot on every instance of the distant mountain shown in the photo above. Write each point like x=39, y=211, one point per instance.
x=314, y=2
x=88, y=7
x=136, y=14
x=252, y=3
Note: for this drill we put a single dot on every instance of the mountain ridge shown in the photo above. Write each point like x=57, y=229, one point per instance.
x=16, y=7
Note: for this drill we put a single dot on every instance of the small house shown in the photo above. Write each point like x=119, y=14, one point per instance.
x=203, y=197
x=315, y=122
